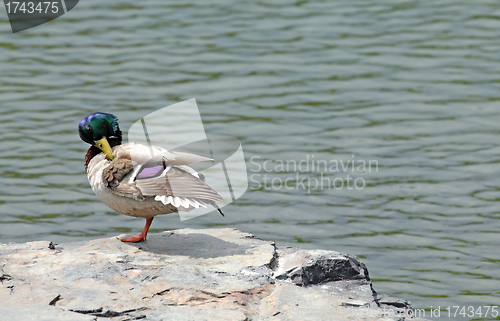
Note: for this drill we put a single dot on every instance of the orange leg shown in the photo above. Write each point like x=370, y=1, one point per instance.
x=137, y=238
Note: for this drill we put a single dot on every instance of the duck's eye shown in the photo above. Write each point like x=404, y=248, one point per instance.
x=88, y=128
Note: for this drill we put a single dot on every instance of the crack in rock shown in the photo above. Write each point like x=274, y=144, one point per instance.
x=5, y=277
x=54, y=300
x=273, y=263
x=108, y=314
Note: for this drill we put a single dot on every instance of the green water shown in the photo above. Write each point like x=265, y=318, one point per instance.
x=412, y=86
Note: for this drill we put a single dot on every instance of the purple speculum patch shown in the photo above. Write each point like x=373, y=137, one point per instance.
x=150, y=171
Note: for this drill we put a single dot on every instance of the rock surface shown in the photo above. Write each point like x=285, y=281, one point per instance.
x=188, y=274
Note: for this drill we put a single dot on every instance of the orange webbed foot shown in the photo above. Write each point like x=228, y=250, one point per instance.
x=138, y=238
x=132, y=238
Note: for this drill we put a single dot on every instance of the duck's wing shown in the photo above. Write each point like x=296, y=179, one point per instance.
x=159, y=177
x=178, y=187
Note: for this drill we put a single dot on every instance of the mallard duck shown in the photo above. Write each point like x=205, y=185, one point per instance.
x=131, y=181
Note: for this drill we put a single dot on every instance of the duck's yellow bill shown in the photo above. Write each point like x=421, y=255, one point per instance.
x=103, y=145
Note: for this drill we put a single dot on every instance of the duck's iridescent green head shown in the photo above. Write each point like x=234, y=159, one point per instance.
x=101, y=130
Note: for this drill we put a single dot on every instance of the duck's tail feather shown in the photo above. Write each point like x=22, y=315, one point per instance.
x=220, y=211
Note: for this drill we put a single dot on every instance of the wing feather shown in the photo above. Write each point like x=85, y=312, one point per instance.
x=177, y=182
x=167, y=177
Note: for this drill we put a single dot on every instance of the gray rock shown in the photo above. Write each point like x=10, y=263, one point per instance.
x=213, y=274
